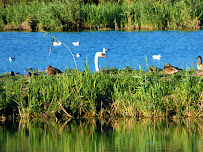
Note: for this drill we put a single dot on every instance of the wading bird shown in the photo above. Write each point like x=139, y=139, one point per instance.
x=96, y=58
x=52, y=71
x=170, y=69
x=199, y=64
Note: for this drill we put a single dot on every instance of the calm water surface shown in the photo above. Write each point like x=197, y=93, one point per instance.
x=128, y=49
x=110, y=135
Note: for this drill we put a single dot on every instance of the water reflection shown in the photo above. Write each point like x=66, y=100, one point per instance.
x=102, y=135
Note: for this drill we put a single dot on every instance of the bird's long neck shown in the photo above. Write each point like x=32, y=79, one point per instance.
x=200, y=61
x=96, y=58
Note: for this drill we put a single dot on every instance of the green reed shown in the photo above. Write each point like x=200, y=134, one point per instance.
x=75, y=15
x=111, y=92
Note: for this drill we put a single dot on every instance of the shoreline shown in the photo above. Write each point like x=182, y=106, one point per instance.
x=76, y=16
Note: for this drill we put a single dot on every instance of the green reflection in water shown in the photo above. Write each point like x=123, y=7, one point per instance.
x=102, y=135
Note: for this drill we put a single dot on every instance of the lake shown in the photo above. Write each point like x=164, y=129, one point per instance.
x=102, y=135
x=31, y=49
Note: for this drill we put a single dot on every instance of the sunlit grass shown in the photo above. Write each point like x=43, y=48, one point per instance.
x=111, y=92
x=74, y=15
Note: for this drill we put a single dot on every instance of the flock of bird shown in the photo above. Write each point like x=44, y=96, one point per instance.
x=52, y=71
x=171, y=70
x=59, y=43
x=168, y=69
x=74, y=43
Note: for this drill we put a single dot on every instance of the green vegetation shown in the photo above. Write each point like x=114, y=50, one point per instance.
x=111, y=92
x=64, y=15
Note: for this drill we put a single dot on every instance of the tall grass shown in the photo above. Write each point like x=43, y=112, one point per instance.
x=74, y=15
x=111, y=92
x=56, y=16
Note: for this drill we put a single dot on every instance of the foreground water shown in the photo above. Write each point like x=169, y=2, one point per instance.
x=102, y=136
x=31, y=50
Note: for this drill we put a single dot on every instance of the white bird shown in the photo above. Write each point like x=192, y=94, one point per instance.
x=104, y=50
x=78, y=55
x=75, y=43
x=11, y=58
x=96, y=58
x=57, y=43
x=157, y=57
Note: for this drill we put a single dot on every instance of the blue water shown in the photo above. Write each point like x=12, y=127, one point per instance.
x=31, y=50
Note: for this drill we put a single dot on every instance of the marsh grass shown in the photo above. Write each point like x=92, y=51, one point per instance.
x=75, y=15
x=111, y=92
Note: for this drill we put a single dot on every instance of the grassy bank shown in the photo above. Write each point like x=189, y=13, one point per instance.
x=111, y=92
x=67, y=15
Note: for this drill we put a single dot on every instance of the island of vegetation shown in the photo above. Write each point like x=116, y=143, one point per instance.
x=108, y=93
x=111, y=92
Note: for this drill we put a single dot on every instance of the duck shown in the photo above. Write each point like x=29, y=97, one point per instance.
x=11, y=58
x=199, y=73
x=11, y=73
x=170, y=69
x=14, y=74
x=104, y=50
x=75, y=43
x=52, y=71
x=78, y=55
x=157, y=57
x=57, y=43
x=31, y=74
x=199, y=64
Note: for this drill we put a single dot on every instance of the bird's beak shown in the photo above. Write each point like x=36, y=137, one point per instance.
x=196, y=58
x=103, y=55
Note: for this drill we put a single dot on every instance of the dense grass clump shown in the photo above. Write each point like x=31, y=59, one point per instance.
x=64, y=15
x=111, y=92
